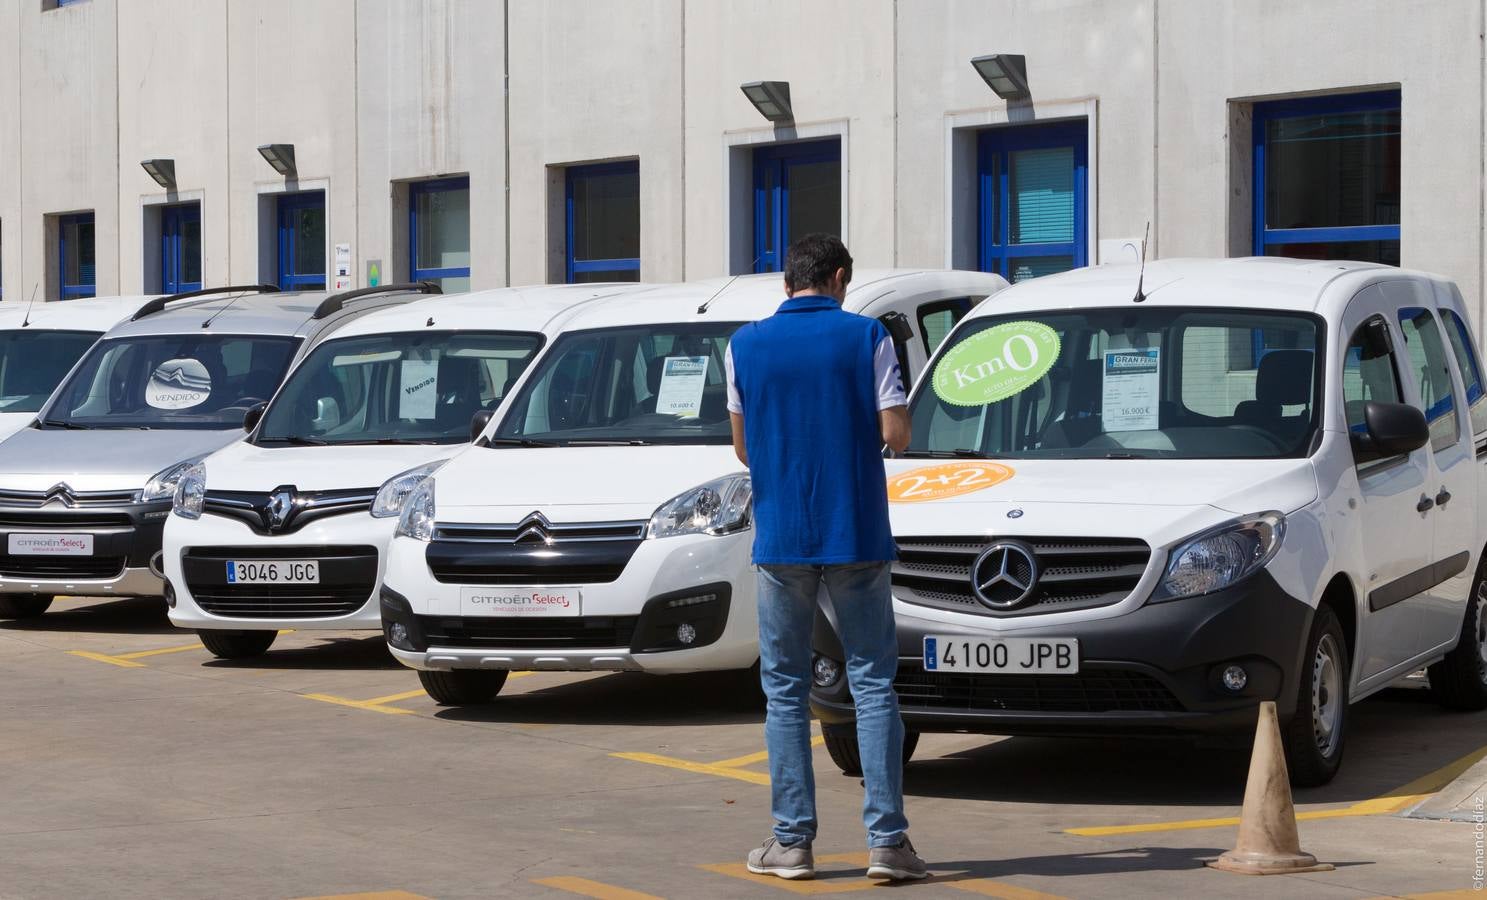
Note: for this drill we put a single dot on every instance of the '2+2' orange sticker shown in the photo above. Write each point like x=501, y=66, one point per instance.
x=949, y=480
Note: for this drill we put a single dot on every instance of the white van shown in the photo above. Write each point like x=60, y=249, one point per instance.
x=272, y=532
x=1146, y=511
x=603, y=521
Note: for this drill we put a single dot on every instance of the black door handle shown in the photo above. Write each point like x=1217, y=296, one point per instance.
x=1425, y=504
x=1443, y=497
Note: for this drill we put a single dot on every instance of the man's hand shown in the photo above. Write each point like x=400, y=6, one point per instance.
x=738, y=438
x=894, y=421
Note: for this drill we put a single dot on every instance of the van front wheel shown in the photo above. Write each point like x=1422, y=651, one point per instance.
x=1460, y=680
x=23, y=606
x=463, y=687
x=841, y=746
x=1315, y=736
x=236, y=644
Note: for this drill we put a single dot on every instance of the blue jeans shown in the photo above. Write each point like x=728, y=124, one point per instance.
x=860, y=596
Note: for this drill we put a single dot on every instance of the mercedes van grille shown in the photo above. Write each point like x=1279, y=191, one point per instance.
x=533, y=551
x=1073, y=573
x=1091, y=690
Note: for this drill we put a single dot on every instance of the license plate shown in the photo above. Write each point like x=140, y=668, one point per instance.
x=527, y=602
x=1013, y=655
x=273, y=571
x=50, y=545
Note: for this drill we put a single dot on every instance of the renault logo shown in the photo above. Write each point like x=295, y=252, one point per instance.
x=534, y=529
x=280, y=505
x=1004, y=575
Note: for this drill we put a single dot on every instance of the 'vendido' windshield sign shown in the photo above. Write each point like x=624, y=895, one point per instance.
x=996, y=363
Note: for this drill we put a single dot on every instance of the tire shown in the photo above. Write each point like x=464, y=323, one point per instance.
x=1315, y=737
x=841, y=746
x=23, y=606
x=463, y=687
x=1460, y=680
x=236, y=644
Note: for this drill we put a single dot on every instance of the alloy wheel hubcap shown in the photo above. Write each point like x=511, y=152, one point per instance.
x=1326, y=695
x=1482, y=630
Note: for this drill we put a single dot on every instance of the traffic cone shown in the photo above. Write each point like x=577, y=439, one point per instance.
x=1268, y=843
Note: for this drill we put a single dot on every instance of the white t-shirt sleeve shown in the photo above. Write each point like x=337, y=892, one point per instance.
x=887, y=376
x=735, y=402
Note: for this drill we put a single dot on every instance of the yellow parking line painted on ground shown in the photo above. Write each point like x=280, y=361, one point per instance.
x=759, y=757
x=687, y=765
x=838, y=882
x=358, y=704
x=374, y=895
x=597, y=889
x=393, y=698
x=141, y=654
x=988, y=888
x=1397, y=800
x=105, y=658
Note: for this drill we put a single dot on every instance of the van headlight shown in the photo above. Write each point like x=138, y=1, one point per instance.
x=162, y=485
x=190, y=492
x=395, y=490
x=417, y=518
x=722, y=506
x=1221, y=557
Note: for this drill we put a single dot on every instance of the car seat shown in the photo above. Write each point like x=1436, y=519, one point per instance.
x=458, y=390
x=1283, y=379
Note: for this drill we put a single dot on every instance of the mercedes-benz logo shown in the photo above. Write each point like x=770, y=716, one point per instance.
x=280, y=505
x=534, y=529
x=1005, y=575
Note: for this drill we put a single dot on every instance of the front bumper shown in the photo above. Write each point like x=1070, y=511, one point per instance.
x=350, y=548
x=629, y=624
x=125, y=538
x=1154, y=670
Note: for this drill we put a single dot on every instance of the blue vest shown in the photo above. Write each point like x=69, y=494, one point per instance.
x=810, y=401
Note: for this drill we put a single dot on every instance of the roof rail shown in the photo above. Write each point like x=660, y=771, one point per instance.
x=160, y=303
x=334, y=303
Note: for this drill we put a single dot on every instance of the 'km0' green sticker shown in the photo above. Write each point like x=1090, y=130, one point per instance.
x=995, y=364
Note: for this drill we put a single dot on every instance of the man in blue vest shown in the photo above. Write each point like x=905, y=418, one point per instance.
x=815, y=393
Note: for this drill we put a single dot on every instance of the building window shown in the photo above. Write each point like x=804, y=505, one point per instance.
x=301, y=219
x=603, y=222
x=439, y=233
x=1032, y=199
x=180, y=248
x=58, y=4
x=78, y=270
x=797, y=191
x=1326, y=180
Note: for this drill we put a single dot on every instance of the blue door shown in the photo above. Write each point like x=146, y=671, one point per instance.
x=302, y=241
x=78, y=274
x=1032, y=199
x=180, y=248
x=797, y=191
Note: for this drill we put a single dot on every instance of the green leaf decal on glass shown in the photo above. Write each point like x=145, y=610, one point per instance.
x=995, y=364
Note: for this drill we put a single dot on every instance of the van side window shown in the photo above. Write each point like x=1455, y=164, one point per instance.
x=1471, y=372
x=937, y=318
x=1368, y=373
x=1427, y=357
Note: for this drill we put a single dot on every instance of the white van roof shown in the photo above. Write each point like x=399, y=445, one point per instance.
x=536, y=309
x=92, y=314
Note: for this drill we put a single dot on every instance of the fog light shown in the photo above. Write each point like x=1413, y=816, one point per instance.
x=1235, y=678
x=170, y=595
x=825, y=672
x=398, y=634
x=685, y=633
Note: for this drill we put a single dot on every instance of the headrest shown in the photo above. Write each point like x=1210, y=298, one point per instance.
x=458, y=373
x=1284, y=378
x=653, y=371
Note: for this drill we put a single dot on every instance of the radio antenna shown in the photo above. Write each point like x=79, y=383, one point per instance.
x=1141, y=273
x=27, y=320
x=709, y=301
x=213, y=317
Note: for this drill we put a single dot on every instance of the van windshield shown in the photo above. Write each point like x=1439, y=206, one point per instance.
x=33, y=361
x=171, y=381
x=414, y=388
x=1171, y=383
x=651, y=384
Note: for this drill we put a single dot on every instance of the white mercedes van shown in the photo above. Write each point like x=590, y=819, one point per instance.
x=1147, y=510
x=272, y=532
x=603, y=522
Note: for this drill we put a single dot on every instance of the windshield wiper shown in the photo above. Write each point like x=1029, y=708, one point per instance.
x=958, y=453
x=294, y=441
x=70, y=426
x=1128, y=456
x=383, y=442
x=598, y=442
x=518, y=442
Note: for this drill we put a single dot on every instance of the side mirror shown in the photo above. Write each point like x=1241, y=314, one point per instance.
x=1394, y=429
x=478, y=423
x=253, y=416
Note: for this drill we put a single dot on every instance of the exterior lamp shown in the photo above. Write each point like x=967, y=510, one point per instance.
x=280, y=156
x=771, y=98
x=1004, y=73
x=162, y=170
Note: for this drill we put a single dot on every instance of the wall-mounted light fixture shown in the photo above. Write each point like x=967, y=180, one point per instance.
x=771, y=98
x=162, y=170
x=1004, y=73
x=280, y=156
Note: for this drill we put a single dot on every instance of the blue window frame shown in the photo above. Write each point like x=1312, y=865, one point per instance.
x=302, y=241
x=1326, y=177
x=180, y=248
x=439, y=232
x=603, y=222
x=1032, y=199
x=797, y=191
x=77, y=273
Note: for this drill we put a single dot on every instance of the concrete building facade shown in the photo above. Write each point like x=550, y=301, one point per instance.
x=521, y=141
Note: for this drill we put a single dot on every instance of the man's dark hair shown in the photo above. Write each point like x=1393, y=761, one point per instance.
x=811, y=261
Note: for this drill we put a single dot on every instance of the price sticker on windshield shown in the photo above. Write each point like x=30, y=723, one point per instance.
x=949, y=480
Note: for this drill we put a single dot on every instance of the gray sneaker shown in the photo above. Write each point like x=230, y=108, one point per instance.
x=899, y=863
x=792, y=862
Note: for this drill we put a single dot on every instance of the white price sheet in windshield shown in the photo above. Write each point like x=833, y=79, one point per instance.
x=417, y=392
x=682, y=381
x=1133, y=383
